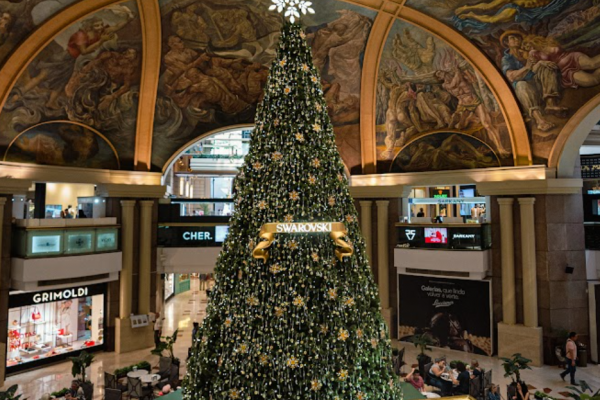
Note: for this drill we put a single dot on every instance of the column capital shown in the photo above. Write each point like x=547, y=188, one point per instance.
x=506, y=201
x=366, y=203
x=526, y=200
x=383, y=203
x=146, y=203
x=2, y=201
x=127, y=203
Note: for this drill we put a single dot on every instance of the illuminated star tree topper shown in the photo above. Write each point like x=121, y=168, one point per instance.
x=291, y=9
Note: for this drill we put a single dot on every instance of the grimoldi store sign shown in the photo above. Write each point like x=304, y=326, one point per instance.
x=50, y=296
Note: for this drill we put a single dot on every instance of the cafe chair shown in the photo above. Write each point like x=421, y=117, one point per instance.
x=164, y=367
x=425, y=373
x=475, y=387
x=111, y=382
x=137, y=391
x=112, y=394
x=487, y=379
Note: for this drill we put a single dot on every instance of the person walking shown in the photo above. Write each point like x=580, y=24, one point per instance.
x=158, y=324
x=571, y=355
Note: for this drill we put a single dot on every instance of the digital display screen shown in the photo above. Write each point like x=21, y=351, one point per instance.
x=436, y=235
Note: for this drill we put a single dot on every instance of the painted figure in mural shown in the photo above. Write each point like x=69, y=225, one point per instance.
x=6, y=23
x=190, y=26
x=54, y=73
x=469, y=106
x=573, y=65
x=479, y=15
x=121, y=68
x=536, y=82
x=416, y=57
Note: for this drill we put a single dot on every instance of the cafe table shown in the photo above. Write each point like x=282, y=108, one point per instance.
x=137, y=374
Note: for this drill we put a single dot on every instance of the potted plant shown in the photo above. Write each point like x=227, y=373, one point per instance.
x=422, y=342
x=167, y=344
x=513, y=367
x=9, y=394
x=78, y=369
x=580, y=393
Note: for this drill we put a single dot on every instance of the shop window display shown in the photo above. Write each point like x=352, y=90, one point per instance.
x=48, y=329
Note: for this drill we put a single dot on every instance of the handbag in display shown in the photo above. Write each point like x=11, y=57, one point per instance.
x=35, y=314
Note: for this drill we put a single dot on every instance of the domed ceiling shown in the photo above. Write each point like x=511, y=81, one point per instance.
x=426, y=85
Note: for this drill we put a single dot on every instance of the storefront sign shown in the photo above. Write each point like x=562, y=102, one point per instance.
x=197, y=236
x=448, y=200
x=191, y=236
x=463, y=237
x=45, y=244
x=49, y=296
x=336, y=230
x=455, y=313
x=410, y=234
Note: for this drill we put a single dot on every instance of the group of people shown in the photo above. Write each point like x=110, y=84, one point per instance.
x=70, y=213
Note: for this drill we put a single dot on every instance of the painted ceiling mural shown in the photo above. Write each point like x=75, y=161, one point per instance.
x=19, y=17
x=426, y=88
x=549, y=50
x=89, y=75
x=216, y=59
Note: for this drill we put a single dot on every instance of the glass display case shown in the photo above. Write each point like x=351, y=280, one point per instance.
x=30, y=243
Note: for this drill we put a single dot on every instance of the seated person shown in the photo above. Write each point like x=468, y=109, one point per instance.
x=476, y=369
x=522, y=392
x=75, y=392
x=464, y=378
x=435, y=377
x=415, y=379
x=493, y=394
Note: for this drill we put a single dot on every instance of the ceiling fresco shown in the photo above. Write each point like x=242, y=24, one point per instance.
x=216, y=59
x=548, y=50
x=89, y=75
x=426, y=88
x=424, y=94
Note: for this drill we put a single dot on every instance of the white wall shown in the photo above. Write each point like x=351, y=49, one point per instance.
x=67, y=193
x=476, y=263
x=26, y=273
x=187, y=260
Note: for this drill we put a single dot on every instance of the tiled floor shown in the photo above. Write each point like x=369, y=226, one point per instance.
x=183, y=310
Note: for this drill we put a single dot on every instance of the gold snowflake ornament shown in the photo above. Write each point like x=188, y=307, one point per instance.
x=291, y=9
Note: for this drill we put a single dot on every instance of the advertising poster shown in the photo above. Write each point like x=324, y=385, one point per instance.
x=436, y=235
x=454, y=313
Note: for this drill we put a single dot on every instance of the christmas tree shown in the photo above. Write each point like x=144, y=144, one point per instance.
x=295, y=312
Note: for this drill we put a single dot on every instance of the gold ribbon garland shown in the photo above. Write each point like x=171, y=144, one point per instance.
x=336, y=230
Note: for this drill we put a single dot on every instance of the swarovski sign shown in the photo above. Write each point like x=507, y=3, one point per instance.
x=44, y=297
x=410, y=233
x=308, y=227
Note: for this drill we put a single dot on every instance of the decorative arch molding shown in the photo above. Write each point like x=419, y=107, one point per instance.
x=566, y=147
x=198, y=138
x=388, y=12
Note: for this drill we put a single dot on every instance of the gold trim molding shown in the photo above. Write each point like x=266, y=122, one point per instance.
x=149, y=11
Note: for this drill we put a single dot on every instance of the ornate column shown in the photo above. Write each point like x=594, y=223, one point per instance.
x=507, y=248
x=145, y=256
x=382, y=253
x=366, y=226
x=127, y=221
x=530, y=303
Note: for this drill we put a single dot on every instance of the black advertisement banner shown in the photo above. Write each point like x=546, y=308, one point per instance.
x=444, y=237
x=454, y=313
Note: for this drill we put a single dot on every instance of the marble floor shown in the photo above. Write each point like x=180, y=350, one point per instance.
x=184, y=309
